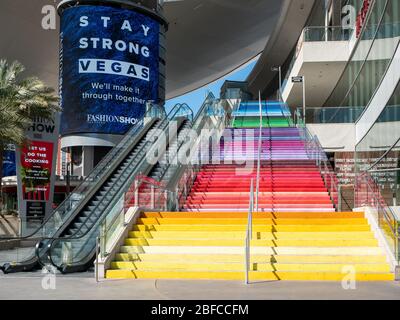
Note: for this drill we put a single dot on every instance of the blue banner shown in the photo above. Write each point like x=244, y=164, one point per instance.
x=109, y=68
x=9, y=165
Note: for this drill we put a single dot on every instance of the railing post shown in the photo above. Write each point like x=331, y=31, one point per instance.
x=103, y=236
x=340, y=198
x=259, y=154
x=185, y=191
x=177, y=198
x=249, y=232
x=122, y=217
x=136, y=193
x=246, y=260
x=251, y=209
x=152, y=197
x=97, y=258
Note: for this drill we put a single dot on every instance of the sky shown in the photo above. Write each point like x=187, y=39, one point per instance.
x=195, y=98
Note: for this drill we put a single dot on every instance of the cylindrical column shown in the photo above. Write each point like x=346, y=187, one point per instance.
x=112, y=63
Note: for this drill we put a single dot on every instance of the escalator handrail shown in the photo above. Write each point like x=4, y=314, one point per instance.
x=201, y=115
x=155, y=183
x=135, y=128
x=140, y=163
x=208, y=101
x=74, y=237
x=174, y=113
x=194, y=168
x=94, y=190
x=203, y=108
x=50, y=245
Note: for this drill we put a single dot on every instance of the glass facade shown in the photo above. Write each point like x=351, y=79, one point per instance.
x=371, y=56
x=332, y=115
x=377, y=171
x=375, y=153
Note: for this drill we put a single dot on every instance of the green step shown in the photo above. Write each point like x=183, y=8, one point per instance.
x=252, y=122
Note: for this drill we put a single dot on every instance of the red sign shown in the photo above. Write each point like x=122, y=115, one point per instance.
x=362, y=16
x=36, y=170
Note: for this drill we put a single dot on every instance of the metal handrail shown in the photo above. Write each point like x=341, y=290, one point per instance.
x=384, y=155
x=164, y=122
x=50, y=246
x=337, y=111
x=137, y=184
x=249, y=232
x=386, y=211
x=156, y=184
x=259, y=153
x=285, y=110
x=76, y=235
x=384, y=170
x=188, y=176
x=316, y=152
x=235, y=108
x=195, y=125
x=377, y=196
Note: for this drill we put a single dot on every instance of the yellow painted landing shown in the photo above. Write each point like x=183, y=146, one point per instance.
x=285, y=246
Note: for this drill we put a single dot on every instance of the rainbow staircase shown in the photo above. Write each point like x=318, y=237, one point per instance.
x=297, y=235
x=289, y=180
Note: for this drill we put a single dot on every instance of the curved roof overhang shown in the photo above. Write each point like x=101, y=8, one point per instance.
x=206, y=39
x=295, y=14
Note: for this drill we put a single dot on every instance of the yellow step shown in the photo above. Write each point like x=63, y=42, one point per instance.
x=256, y=235
x=254, y=250
x=253, y=276
x=256, y=228
x=276, y=215
x=210, y=266
x=199, y=221
x=256, y=243
x=239, y=258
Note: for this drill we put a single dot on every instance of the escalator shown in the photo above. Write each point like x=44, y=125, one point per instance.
x=162, y=171
x=74, y=249
x=78, y=208
x=77, y=253
x=85, y=205
x=91, y=212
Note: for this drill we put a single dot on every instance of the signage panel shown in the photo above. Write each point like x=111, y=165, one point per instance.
x=109, y=68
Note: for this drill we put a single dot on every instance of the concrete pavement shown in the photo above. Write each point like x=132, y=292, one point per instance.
x=84, y=287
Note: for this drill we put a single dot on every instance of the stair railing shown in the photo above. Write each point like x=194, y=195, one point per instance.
x=217, y=117
x=249, y=233
x=203, y=117
x=317, y=153
x=155, y=197
x=78, y=244
x=158, y=199
x=259, y=152
x=149, y=194
x=286, y=111
x=368, y=194
x=235, y=109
